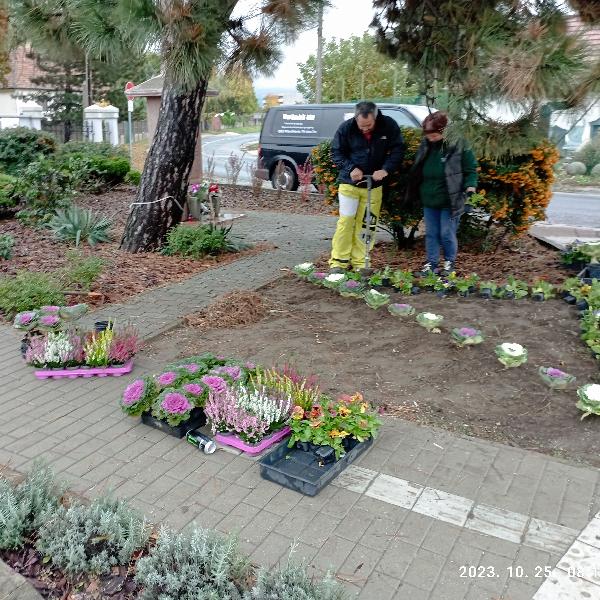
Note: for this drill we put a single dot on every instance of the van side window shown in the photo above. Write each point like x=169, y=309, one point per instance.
x=403, y=119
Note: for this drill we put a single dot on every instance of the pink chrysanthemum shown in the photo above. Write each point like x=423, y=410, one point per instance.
x=195, y=389
x=175, y=403
x=133, y=392
x=215, y=383
x=167, y=378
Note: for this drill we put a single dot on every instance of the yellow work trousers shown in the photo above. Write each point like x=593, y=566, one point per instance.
x=348, y=247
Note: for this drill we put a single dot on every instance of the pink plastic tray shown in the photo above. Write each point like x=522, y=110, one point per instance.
x=230, y=439
x=85, y=372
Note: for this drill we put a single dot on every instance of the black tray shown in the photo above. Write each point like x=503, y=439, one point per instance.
x=300, y=471
x=197, y=419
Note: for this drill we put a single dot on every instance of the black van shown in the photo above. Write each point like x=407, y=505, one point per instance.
x=290, y=132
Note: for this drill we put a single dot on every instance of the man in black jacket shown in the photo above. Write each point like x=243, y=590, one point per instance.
x=368, y=144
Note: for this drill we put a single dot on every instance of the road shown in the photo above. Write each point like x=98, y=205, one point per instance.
x=577, y=209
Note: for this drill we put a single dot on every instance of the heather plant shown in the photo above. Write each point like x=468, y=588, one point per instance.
x=92, y=539
x=22, y=506
x=302, y=391
x=97, y=348
x=292, y=583
x=55, y=349
x=193, y=566
x=27, y=291
x=125, y=344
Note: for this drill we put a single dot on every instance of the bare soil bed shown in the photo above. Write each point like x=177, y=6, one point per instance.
x=408, y=372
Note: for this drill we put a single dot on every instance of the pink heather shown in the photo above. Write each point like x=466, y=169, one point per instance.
x=167, y=378
x=49, y=320
x=551, y=372
x=133, y=392
x=467, y=331
x=193, y=388
x=175, y=403
x=217, y=384
x=50, y=309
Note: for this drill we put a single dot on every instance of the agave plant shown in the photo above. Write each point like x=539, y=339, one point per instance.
x=75, y=224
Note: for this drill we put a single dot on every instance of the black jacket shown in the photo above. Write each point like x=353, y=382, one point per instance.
x=350, y=148
x=453, y=170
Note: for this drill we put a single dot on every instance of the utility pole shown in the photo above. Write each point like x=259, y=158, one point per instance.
x=319, y=74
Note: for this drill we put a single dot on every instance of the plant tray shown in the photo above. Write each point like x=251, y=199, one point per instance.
x=197, y=419
x=230, y=439
x=301, y=471
x=85, y=372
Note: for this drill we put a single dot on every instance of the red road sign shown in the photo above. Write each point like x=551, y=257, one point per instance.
x=128, y=86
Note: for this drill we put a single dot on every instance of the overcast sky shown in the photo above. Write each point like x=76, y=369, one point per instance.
x=342, y=20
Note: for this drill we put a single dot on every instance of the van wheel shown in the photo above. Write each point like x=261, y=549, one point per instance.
x=286, y=179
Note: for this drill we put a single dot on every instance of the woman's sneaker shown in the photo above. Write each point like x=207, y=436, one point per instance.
x=426, y=269
x=447, y=267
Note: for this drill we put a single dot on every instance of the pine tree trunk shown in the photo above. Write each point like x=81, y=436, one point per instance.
x=163, y=187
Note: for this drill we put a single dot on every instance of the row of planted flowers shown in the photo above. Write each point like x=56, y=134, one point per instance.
x=510, y=354
x=54, y=342
x=248, y=406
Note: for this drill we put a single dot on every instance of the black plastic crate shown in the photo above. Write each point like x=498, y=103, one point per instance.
x=197, y=419
x=300, y=471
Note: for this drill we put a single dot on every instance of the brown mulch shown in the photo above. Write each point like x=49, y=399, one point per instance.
x=235, y=309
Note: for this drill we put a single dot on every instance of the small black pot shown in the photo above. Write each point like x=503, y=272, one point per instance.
x=485, y=293
x=582, y=304
x=586, y=280
x=464, y=294
x=100, y=326
x=306, y=446
x=593, y=271
x=415, y=290
x=25, y=343
x=538, y=297
x=386, y=282
x=509, y=294
x=570, y=299
x=441, y=294
x=325, y=454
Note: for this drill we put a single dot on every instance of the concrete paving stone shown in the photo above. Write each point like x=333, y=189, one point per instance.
x=209, y=518
x=106, y=486
x=590, y=534
x=191, y=469
x=375, y=459
x=394, y=491
x=503, y=524
x=476, y=592
x=380, y=586
x=162, y=447
x=105, y=469
x=533, y=565
x=154, y=470
x=296, y=521
x=354, y=526
x=443, y=506
x=59, y=462
x=359, y=565
x=583, y=561
x=333, y=553
x=450, y=589
x=548, y=536
x=424, y=569
x=236, y=468
x=283, y=502
x=157, y=489
x=272, y=550
x=573, y=514
x=318, y=529
x=355, y=478
x=238, y=518
x=180, y=517
x=517, y=590
x=341, y=503
x=251, y=478
x=99, y=414
x=414, y=528
x=410, y=592
x=493, y=571
x=258, y=528
x=116, y=427
x=152, y=513
x=562, y=586
x=15, y=587
x=397, y=558
x=209, y=490
x=86, y=464
x=487, y=543
x=125, y=447
x=546, y=505
x=129, y=488
x=315, y=503
x=444, y=478
x=580, y=490
x=180, y=493
x=441, y=538
x=263, y=494
x=231, y=497
x=57, y=426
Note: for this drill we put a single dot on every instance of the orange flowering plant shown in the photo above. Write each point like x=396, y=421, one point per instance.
x=514, y=192
x=335, y=423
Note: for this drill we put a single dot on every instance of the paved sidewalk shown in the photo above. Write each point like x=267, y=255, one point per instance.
x=424, y=514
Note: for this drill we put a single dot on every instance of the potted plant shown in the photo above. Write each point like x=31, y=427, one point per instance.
x=464, y=285
x=515, y=289
x=555, y=378
x=429, y=281
x=466, y=336
x=569, y=290
x=442, y=287
x=542, y=290
x=511, y=354
x=487, y=289
x=402, y=281
x=430, y=321
x=591, y=251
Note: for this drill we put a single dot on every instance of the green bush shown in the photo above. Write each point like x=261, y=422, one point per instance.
x=192, y=566
x=22, y=507
x=26, y=291
x=6, y=245
x=589, y=155
x=21, y=146
x=197, y=241
x=76, y=224
x=92, y=539
x=81, y=271
x=133, y=178
x=45, y=185
x=91, y=149
x=7, y=191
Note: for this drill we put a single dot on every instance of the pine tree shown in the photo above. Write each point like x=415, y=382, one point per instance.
x=4, y=68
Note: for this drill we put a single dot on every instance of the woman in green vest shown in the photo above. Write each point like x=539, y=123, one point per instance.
x=442, y=176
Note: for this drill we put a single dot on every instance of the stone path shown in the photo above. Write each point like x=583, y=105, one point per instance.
x=424, y=514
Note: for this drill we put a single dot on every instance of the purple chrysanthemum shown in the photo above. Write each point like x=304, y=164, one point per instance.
x=552, y=372
x=215, y=383
x=133, y=392
x=49, y=320
x=167, y=378
x=175, y=403
x=467, y=331
x=191, y=368
x=50, y=309
x=195, y=389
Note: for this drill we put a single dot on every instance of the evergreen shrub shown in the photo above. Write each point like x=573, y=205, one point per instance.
x=21, y=146
x=7, y=191
x=589, y=154
x=6, y=245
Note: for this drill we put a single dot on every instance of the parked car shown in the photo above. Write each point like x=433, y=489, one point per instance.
x=290, y=132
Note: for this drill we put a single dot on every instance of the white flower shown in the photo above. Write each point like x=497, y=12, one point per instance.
x=592, y=392
x=335, y=277
x=304, y=266
x=512, y=349
x=430, y=316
